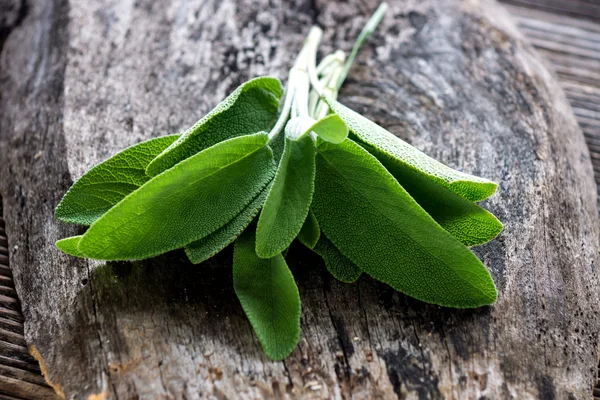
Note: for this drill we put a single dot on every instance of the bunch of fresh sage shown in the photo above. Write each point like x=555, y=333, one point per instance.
x=262, y=169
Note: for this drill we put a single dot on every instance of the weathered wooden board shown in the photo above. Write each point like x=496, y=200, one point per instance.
x=19, y=372
x=80, y=81
x=573, y=48
x=581, y=9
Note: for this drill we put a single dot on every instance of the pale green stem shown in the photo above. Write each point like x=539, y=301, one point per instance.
x=338, y=74
x=299, y=99
x=324, y=70
x=302, y=65
x=330, y=91
x=368, y=29
x=300, y=105
x=313, y=100
x=296, y=98
x=327, y=61
x=312, y=69
x=285, y=111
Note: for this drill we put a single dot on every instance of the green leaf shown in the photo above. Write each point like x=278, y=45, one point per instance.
x=374, y=222
x=185, y=203
x=107, y=183
x=69, y=246
x=330, y=128
x=287, y=204
x=388, y=147
x=466, y=221
x=310, y=232
x=203, y=249
x=269, y=296
x=252, y=107
x=277, y=144
x=336, y=263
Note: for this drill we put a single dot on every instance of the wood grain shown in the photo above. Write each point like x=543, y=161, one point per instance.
x=581, y=9
x=453, y=77
x=572, y=47
x=20, y=375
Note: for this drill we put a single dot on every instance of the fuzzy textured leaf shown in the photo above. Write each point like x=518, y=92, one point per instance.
x=185, y=203
x=269, y=296
x=203, y=249
x=70, y=245
x=311, y=232
x=336, y=263
x=466, y=221
x=330, y=128
x=109, y=182
x=287, y=204
x=392, y=149
x=251, y=108
x=374, y=222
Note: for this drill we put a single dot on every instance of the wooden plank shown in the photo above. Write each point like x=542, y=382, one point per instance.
x=573, y=48
x=20, y=376
x=586, y=9
x=21, y=389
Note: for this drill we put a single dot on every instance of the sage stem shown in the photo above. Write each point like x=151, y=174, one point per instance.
x=368, y=29
x=296, y=97
x=285, y=111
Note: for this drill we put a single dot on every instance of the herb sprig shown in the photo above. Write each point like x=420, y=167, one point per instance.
x=301, y=166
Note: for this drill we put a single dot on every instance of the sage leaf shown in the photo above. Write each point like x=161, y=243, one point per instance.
x=466, y=221
x=203, y=249
x=386, y=146
x=277, y=144
x=109, y=182
x=70, y=246
x=251, y=108
x=374, y=222
x=311, y=232
x=288, y=201
x=185, y=203
x=330, y=128
x=269, y=296
x=336, y=263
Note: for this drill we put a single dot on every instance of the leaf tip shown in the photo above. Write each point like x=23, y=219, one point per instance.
x=264, y=251
x=498, y=227
x=279, y=354
x=70, y=246
x=474, y=190
x=489, y=294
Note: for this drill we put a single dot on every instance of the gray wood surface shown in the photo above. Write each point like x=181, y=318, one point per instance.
x=572, y=46
x=580, y=9
x=80, y=81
